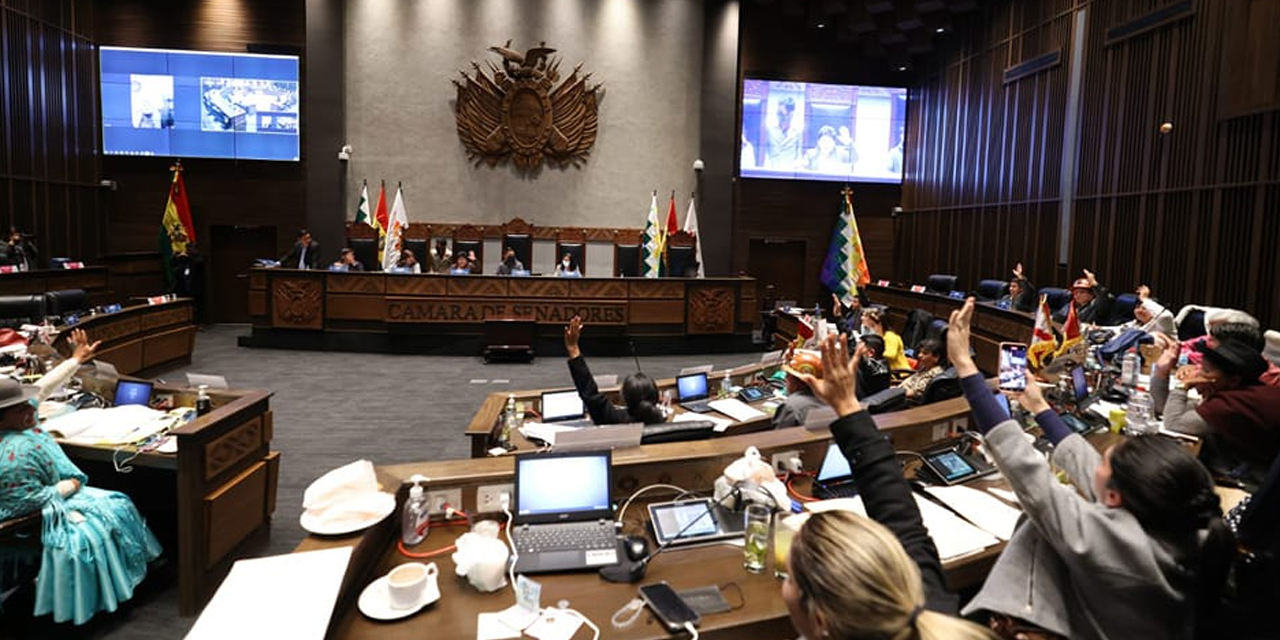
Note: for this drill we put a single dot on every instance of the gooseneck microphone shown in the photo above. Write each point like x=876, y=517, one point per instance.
x=634, y=571
x=632, y=343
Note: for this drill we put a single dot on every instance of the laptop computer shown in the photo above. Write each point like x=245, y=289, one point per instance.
x=835, y=478
x=563, y=518
x=564, y=407
x=691, y=392
x=133, y=392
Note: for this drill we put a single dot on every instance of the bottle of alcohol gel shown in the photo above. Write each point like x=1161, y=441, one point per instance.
x=416, y=511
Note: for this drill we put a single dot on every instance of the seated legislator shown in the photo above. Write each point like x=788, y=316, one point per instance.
x=848, y=320
x=461, y=265
x=510, y=263
x=18, y=251
x=873, y=372
x=800, y=398
x=1238, y=416
x=1150, y=316
x=408, y=263
x=1135, y=550
x=894, y=353
x=347, y=261
x=305, y=253
x=568, y=267
x=1091, y=300
x=639, y=391
x=878, y=576
x=1022, y=295
x=441, y=257
x=931, y=361
x=95, y=544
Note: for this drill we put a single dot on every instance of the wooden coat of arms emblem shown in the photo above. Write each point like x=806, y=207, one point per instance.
x=523, y=111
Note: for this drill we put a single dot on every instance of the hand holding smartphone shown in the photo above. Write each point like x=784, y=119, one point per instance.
x=668, y=606
x=1013, y=366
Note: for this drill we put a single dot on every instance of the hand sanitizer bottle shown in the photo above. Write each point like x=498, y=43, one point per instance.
x=416, y=511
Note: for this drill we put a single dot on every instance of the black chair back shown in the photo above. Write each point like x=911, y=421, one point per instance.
x=626, y=260
x=17, y=310
x=522, y=244
x=1057, y=298
x=992, y=289
x=890, y=399
x=58, y=263
x=366, y=251
x=66, y=301
x=943, y=387
x=1122, y=309
x=942, y=283
x=1192, y=325
x=419, y=248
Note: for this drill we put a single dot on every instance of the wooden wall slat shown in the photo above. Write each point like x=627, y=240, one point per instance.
x=1190, y=213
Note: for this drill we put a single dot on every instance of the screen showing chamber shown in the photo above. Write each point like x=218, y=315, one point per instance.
x=812, y=131
x=199, y=104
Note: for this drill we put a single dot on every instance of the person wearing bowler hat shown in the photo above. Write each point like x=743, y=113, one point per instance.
x=1091, y=300
x=800, y=398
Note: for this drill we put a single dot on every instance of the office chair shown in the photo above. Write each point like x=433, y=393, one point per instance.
x=991, y=290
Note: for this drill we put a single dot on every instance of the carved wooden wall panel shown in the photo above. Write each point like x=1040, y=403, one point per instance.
x=225, y=451
x=176, y=315
x=410, y=285
x=712, y=309
x=257, y=303
x=168, y=347
x=598, y=288
x=296, y=303
x=469, y=286
x=355, y=307
x=354, y=283
x=655, y=289
x=542, y=288
x=657, y=311
x=122, y=328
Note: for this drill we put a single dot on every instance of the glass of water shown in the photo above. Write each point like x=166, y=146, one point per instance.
x=756, y=549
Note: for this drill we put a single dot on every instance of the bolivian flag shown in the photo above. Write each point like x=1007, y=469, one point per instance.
x=176, y=228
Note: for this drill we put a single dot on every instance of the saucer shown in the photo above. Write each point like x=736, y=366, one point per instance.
x=375, y=600
x=382, y=504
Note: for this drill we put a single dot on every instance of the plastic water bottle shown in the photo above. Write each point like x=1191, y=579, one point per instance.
x=509, y=421
x=726, y=386
x=203, y=403
x=1138, y=411
x=1129, y=368
x=416, y=512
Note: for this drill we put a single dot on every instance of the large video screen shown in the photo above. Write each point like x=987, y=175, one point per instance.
x=195, y=104
x=810, y=131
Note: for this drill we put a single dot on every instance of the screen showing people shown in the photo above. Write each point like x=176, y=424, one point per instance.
x=199, y=104
x=1013, y=366
x=811, y=131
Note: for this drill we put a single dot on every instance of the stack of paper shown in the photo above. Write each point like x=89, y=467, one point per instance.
x=736, y=409
x=979, y=508
x=953, y=536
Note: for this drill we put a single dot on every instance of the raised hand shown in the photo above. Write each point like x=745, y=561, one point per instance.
x=572, y=332
x=1144, y=291
x=837, y=386
x=836, y=307
x=84, y=350
x=1088, y=275
x=958, y=339
x=1032, y=398
x=1017, y=271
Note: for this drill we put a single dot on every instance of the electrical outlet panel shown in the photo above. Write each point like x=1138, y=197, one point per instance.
x=489, y=498
x=782, y=461
x=437, y=498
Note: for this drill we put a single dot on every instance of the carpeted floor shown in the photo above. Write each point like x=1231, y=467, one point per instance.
x=332, y=408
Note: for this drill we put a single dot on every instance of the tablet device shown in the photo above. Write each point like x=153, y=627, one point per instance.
x=692, y=521
x=752, y=394
x=133, y=392
x=949, y=466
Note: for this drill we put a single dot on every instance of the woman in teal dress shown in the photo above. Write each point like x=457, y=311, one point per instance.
x=96, y=546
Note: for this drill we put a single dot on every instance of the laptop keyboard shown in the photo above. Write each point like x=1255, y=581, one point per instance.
x=563, y=537
x=845, y=490
x=696, y=406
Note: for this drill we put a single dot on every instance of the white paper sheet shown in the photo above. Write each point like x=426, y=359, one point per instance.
x=990, y=514
x=953, y=536
x=736, y=409
x=286, y=596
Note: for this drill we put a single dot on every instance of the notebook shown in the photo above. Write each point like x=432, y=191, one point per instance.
x=563, y=519
x=133, y=392
x=560, y=406
x=835, y=478
x=691, y=392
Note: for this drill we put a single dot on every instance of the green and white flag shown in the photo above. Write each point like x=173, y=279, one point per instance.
x=651, y=246
x=362, y=209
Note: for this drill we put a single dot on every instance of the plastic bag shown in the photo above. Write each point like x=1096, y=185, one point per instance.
x=754, y=479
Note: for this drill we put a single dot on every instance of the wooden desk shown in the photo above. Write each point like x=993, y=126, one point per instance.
x=93, y=280
x=374, y=311
x=217, y=491
x=140, y=339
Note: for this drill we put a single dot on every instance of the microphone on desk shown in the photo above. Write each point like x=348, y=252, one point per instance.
x=632, y=344
x=634, y=570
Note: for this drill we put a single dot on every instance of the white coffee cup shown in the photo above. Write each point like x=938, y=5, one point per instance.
x=406, y=583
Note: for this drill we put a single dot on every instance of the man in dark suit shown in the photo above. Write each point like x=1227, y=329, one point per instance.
x=305, y=253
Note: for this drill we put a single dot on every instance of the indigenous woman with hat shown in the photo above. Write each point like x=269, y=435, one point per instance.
x=95, y=544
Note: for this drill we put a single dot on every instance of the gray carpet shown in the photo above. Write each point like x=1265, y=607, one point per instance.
x=332, y=408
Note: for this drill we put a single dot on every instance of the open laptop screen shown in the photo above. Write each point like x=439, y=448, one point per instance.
x=691, y=387
x=553, y=487
x=133, y=392
x=561, y=405
x=834, y=466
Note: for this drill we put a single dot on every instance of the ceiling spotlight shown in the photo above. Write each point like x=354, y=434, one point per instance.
x=940, y=30
x=902, y=68
x=822, y=25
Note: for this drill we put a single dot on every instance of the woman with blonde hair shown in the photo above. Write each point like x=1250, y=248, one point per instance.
x=878, y=577
x=850, y=578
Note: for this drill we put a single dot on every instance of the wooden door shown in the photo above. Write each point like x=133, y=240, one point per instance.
x=780, y=264
x=232, y=250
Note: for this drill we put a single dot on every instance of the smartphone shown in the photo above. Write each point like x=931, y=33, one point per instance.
x=668, y=606
x=1013, y=366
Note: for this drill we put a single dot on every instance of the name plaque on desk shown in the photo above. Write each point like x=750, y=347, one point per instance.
x=541, y=311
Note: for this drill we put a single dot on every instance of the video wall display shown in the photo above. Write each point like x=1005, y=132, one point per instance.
x=198, y=104
x=811, y=131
